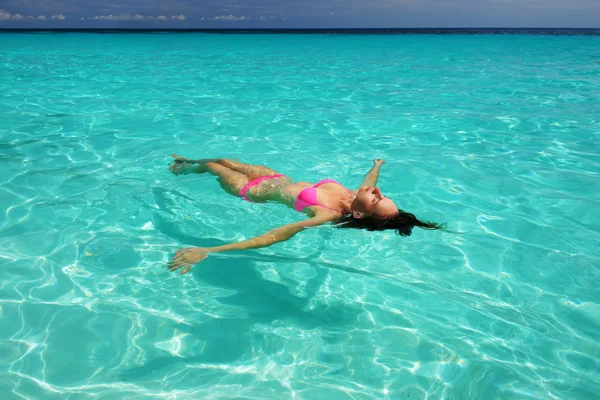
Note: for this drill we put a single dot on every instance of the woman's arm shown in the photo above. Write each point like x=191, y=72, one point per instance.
x=373, y=174
x=186, y=257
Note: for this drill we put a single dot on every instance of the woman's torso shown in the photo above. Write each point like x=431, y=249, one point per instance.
x=329, y=195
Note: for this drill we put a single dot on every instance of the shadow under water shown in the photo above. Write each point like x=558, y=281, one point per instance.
x=227, y=340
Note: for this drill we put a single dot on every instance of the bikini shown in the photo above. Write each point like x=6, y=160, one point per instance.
x=306, y=198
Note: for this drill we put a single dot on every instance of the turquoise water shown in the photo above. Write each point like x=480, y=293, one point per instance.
x=496, y=135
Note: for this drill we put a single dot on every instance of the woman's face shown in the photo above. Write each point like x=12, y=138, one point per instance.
x=371, y=202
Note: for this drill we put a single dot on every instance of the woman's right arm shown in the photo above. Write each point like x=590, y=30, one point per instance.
x=186, y=257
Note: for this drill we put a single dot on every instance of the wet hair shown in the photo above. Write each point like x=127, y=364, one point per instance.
x=403, y=223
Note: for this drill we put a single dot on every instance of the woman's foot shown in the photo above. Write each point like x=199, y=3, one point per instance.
x=184, y=168
x=179, y=159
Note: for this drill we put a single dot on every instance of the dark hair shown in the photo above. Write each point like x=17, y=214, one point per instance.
x=403, y=223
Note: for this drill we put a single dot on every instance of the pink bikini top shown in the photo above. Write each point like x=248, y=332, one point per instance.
x=308, y=196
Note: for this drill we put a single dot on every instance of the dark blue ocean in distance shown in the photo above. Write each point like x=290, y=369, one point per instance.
x=349, y=31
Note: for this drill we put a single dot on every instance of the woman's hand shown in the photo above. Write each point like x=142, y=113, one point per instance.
x=379, y=161
x=186, y=257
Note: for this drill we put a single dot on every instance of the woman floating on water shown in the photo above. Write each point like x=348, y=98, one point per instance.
x=326, y=201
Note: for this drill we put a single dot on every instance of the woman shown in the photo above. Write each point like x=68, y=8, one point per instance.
x=325, y=201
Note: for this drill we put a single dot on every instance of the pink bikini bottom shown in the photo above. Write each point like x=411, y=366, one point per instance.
x=255, y=182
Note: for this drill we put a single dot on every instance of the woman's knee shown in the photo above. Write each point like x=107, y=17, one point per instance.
x=218, y=169
x=228, y=163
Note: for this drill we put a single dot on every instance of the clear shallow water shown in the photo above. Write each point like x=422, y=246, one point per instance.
x=497, y=135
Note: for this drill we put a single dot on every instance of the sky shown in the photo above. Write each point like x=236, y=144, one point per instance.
x=267, y=14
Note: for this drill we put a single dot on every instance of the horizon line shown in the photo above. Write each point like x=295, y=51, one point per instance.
x=289, y=29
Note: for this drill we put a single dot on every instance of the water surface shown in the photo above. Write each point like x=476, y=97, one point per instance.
x=495, y=134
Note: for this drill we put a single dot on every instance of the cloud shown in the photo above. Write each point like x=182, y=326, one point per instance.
x=135, y=17
x=231, y=18
x=105, y=17
x=270, y=17
x=6, y=16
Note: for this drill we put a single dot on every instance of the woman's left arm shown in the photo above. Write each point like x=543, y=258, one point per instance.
x=186, y=257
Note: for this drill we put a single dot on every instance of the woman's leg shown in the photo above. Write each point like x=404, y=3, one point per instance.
x=251, y=171
x=231, y=181
x=232, y=175
x=185, y=166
